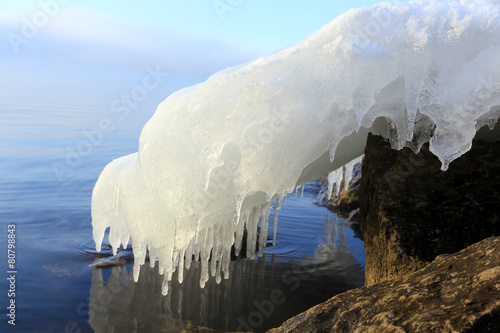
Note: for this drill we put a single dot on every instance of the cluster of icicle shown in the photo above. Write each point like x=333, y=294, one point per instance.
x=215, y=156
x=336, y=177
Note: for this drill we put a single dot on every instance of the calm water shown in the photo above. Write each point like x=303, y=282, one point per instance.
x=46, y=192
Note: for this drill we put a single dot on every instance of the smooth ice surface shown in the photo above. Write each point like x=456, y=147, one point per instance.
x=214, y=156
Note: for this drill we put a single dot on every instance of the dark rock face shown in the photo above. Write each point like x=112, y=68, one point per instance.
x=413, y=211
x=454, y=293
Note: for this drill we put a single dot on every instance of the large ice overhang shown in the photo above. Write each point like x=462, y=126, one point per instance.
x=215, y=156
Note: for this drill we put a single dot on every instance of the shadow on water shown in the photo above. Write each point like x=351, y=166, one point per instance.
x=259, y=294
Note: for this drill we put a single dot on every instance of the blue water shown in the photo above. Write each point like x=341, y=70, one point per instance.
x=46, y=192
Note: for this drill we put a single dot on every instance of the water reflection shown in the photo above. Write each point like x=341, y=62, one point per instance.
x=260, y=294
x=329, y=250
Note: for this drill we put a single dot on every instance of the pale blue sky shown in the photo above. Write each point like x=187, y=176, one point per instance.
x=100, y=44
x=255, y=23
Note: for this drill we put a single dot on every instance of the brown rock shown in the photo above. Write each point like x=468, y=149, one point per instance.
x=454, y=293
x=412, y=211
x=347, y=202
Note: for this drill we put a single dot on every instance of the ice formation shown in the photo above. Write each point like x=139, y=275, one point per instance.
x=215, y=156
x=336, y=177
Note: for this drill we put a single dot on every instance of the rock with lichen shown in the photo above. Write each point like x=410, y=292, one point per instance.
x=454, y=293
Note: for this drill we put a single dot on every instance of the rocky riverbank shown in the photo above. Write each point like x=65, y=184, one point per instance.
x=454, y=293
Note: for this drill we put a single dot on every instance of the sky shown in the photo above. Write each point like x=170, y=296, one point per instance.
x=63, y=44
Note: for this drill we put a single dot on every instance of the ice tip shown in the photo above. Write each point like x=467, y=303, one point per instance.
x=445, y=165
x=136, y=269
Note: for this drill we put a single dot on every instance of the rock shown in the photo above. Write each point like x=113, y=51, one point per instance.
x=412, y=211
x=347, y=201
x=454, y=293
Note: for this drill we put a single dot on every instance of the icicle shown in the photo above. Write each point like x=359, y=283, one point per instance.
x=338, y=179
x=334, y=177
x=152, y=257
x=175, y=258
x=180, y=268
x=207, y=240
x=140, y=257
x=302, y=191
x=125, y=240
x=252, y=231
x=215, y=250
x=276, y=209
x=331, y=180
x=348, y=175
x=218, y=276
x=137, y=269
x=197, y=250
x=218, y=272
x=226, y=261
x=264, y=224
x=349, y=170
x=275, y=227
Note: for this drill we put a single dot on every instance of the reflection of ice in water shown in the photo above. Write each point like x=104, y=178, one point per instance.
x=331, y=230
x=328, y=249
x=120, y=305
x=342, y=246
x=117, y=304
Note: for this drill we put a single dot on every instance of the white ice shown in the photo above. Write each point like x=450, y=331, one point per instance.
x=336, y=177
x=215, y=156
